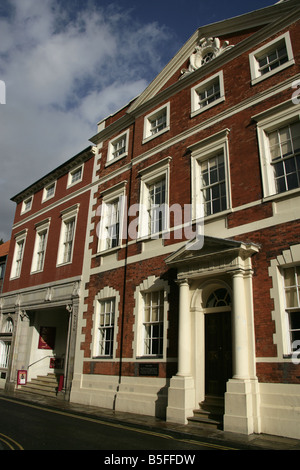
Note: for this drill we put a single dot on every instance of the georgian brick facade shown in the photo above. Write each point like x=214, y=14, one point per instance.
x=243, y=233
x=172, y=320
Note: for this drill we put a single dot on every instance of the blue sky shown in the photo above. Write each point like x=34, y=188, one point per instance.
x=67, y=64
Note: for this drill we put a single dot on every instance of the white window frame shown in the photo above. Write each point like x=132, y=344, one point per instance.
x=46, y=197
x=71, y=174
x=24, y=207
x=269, y=121
x=294, y=309
x=287, y=259
x=201, y=152
x=201, y=87
x=117, y=192
x=148, y=135
x=151, y=284
x=106, y=294
x=41, y=228
x=16, y=268
x=5, y=347
x=67, y=216
x=152, y=174
x=111, y=148
x=285, y=39
x=148, y=336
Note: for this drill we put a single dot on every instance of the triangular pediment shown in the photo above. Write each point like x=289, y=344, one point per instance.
x=206, y=247
x=206, y=48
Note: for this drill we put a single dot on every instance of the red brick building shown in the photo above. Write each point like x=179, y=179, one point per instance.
x=188, y=246
x=170, y=325
x=42, y=284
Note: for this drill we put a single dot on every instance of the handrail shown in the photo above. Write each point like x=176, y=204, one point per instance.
x=39, y=360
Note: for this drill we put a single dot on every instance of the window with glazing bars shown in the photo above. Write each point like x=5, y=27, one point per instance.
x=76, y=175
x=209, y=94
x=285, y=156
x=119, y=147
x=41, y=250
x=292, y=300
x=158, y=123
x=156, y=206
x=272, y=59
x=213, y=184
x=4, y=354
x=68, y=240
x=112, y=224
x=49, y=191
x=106, y=328
x=153, y=323
x=19, y=257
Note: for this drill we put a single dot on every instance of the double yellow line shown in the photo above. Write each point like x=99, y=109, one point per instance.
x=10, y=443
x=120, y=426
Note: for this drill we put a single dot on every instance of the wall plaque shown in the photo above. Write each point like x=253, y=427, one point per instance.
x=151, y=370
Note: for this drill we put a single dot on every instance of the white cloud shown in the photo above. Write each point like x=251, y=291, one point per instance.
x=64, y=70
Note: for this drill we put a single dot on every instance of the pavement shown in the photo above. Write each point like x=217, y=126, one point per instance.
x=189, y=431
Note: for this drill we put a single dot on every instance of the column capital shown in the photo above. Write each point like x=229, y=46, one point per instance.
x=181, y=282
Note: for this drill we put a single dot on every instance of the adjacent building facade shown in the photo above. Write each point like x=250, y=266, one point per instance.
x=39, y=303
x=189, y=247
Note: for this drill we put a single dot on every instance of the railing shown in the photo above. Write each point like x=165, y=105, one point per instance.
x=39, y=360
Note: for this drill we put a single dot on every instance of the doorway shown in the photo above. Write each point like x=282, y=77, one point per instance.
x=218, y=353
x=218, y=342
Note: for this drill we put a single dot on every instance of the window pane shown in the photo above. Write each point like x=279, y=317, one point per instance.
x=106, y=328
x=289, y=277
x=213, y=184
x=295, y=320
x=294, y=328
x=153, y=322
x=291, y=297
x=292, y=287
x=283, y=144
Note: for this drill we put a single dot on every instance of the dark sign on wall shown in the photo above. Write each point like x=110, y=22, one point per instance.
x=149, y=370
x=47, y=337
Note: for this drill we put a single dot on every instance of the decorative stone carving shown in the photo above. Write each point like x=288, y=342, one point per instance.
x=207, y=50
x=49, y=294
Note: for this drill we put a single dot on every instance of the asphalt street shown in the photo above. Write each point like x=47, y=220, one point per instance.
x=30, y=426
x=35, y=422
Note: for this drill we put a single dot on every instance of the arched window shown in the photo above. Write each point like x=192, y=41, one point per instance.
x=4, y=354
x=219, y=298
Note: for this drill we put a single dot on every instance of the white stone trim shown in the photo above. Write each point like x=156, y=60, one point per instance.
x=253, y=58
x=152, y=283
x=287, y=258
x=105, y=294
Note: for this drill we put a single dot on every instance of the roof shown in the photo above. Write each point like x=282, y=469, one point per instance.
x=4, y=249
x=56, y=173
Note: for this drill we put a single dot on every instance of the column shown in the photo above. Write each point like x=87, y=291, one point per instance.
x=241, y=412
x=181, y=393
x=184, y=330
x=240, y=328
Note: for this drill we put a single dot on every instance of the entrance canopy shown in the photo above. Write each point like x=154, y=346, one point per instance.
x=217, y=255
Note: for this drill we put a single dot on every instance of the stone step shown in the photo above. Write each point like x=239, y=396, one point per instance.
x=210, y=413
x=42, y=385
x=205, y=421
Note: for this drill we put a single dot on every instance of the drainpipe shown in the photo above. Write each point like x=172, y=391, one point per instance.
x=125, y=272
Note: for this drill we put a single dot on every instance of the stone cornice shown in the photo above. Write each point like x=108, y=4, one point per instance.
x=275, y=18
